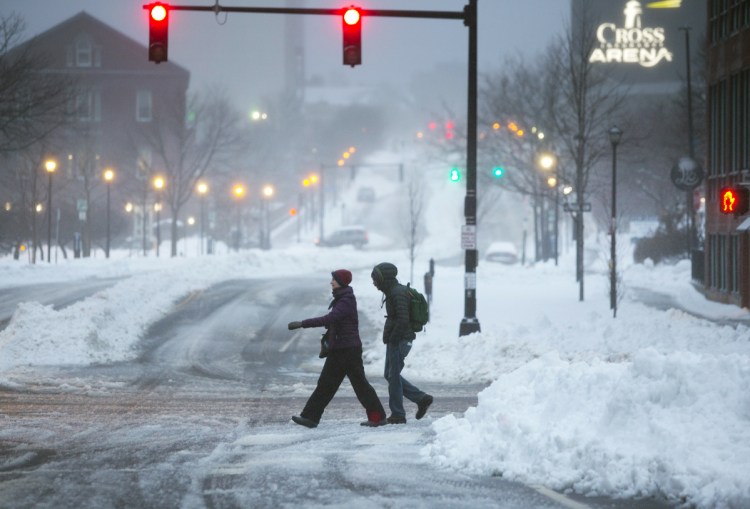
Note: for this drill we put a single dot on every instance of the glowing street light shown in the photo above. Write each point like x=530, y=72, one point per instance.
x=109, y=176
x=159, y=184
x=202, y=189
x=268, y=192
x=238, y=191
x=50, y=165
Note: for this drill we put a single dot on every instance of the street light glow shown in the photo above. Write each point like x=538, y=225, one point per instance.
x=109, y=175
x=159, y=183
x=202, y=187
x=547, y=161
x=50, y=165
x=268, y=191
x=238, y=190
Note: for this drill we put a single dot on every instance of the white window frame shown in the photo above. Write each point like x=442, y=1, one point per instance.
x=144, y=106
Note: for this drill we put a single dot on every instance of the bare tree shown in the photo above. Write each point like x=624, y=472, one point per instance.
x=186, y=145
x=414, y=224
x=32, y=102
x=584, y=107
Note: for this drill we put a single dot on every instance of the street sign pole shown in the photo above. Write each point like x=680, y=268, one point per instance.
x=470, y=323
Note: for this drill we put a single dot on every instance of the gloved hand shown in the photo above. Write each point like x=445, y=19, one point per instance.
x=294, y=325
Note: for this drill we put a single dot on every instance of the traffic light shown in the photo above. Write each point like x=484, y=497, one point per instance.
x=734, y=200
x=158, y=32
x=455, y=175
x=498, y=172
x=352, y=28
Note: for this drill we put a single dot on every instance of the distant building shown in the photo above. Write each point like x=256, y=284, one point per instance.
x=727, y=245
x=117, y=96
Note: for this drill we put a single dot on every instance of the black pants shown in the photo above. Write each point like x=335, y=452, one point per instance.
x=339, y=364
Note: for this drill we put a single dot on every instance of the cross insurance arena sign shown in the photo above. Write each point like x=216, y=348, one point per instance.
x=632, y=40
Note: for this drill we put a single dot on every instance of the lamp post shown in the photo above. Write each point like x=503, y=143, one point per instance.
x=547, y=161
x=109, y=175
x=50, y=166
x=239, y=192
x=691, y=144
x=268, y=192
x=615, y=134
x=202, y=189
x=158, y=185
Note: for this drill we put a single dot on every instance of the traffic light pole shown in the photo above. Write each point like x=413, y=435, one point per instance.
x=469, y=323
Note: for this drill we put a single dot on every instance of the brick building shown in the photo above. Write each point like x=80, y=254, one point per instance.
x=727, y=244
x=117, y=96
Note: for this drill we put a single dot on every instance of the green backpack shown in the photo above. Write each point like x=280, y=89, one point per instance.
x=419, y=310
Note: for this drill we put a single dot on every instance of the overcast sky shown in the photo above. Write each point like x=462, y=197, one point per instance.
x=242, y=54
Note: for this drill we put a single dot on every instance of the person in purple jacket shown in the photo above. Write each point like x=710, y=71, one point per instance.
x=344, y=358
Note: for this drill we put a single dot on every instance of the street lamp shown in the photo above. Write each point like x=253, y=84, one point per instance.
x=109, y=176
x=268, y=192
x=158, y=185
x=615, y=134
x=239, y=193
x=202, y=189
x=50, y=166
x=547, y=162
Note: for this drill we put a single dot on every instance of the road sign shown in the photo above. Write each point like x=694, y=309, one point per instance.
x=686, y=174
x=573, y=207
x=469, y=236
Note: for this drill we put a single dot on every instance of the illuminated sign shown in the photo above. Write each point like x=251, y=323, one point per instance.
x=633, y=42
x=734, y=200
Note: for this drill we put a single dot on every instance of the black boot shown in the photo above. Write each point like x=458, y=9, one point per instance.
x=304, y=421
x=423, y=405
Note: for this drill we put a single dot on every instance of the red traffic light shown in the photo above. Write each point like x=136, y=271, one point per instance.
x=351, y=16
x=351, y=22
x=734, y=200
x=158, y=12
x=158, y=31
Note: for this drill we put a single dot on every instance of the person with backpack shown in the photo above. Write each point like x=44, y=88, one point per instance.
x=342, y=349
x=398, y=335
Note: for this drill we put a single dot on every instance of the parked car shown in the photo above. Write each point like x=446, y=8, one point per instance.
x=502, y=252
x=350, y=235
x=366, y=194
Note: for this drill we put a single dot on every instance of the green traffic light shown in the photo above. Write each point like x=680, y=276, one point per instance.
x=455, y=175
x=498, y=172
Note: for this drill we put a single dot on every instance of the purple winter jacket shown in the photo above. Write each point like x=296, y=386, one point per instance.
x=342, y=321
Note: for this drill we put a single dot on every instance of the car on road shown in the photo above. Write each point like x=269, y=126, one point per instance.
x=366, y=194
x=502, y=252
x=349, y=235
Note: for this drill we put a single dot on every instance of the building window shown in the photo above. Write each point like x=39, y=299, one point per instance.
x=84, y=52
x=86, y=106
x=734, y=264
x=143, y=105
x=721, y=262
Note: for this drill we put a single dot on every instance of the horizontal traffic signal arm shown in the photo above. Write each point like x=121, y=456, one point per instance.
x=391, y=13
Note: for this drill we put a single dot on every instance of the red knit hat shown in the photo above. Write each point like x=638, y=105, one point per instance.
x=342, y=277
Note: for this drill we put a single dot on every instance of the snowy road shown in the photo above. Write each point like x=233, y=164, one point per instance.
x=201, y=419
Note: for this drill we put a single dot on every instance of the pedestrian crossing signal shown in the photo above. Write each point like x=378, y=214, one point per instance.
x=734, y=200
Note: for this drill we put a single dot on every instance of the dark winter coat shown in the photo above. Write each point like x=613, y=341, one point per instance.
x=342, y=321
x=396, y=296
